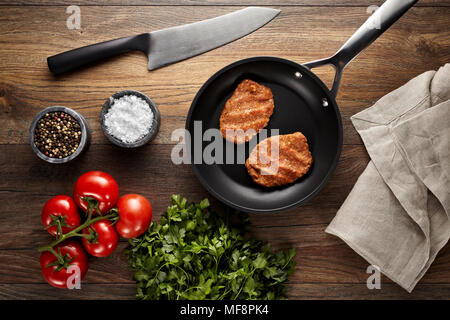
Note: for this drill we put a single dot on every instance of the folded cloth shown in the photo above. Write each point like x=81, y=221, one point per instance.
x=397, y=215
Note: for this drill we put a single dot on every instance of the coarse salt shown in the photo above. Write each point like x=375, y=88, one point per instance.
x=129, y=119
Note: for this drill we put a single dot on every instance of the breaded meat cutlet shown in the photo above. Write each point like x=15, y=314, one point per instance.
x=249, y=108
x=269, y=167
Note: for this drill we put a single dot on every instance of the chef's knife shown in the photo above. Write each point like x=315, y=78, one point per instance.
x=170, y=45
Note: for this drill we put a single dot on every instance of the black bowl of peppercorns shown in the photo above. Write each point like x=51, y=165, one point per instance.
x=59, y=134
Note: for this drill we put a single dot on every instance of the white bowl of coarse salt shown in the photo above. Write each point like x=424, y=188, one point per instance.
x=130, y=119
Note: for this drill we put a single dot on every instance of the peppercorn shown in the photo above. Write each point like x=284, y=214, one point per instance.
x=59, y=133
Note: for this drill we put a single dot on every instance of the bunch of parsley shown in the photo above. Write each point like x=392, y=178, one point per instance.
x=194, y=253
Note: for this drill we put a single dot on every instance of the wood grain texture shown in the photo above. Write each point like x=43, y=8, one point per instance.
x=150, y=172
x=409, y=48
x=324, y=3
x=320, y=258
x=31, y=30
x=304, y=291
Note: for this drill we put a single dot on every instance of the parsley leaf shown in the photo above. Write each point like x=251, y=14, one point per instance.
x=194, y=253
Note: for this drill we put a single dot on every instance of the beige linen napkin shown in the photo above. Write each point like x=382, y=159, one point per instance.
x=397, y=215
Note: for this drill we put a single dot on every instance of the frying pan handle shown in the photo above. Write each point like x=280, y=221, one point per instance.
x=378, y=22
x=337, y=75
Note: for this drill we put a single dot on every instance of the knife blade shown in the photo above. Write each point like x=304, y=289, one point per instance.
x=178, y=43
x=170, y=45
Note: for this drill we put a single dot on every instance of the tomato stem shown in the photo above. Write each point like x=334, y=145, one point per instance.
x=92, y=205
x=58, y=256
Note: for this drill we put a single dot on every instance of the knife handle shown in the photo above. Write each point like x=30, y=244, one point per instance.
x=76, y=58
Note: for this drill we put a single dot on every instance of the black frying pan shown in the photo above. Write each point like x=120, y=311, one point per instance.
x=302, y=103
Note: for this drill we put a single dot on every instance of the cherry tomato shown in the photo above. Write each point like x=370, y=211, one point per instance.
x=59, y=278
x=98, y=185
x=65, y=209
x=105, y=238
x=135, y=215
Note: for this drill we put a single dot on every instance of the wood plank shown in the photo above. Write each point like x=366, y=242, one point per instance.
x=325, y=261
x=360, y=292
x=32, y=235
x=350, y=3
x=338, y=263
x=294, y=291
x=157, y=178
x=418, y=42
x=43, y=291
x=108, y=270
x=305, y=30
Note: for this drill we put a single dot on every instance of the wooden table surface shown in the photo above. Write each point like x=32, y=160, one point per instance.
x=31, y=30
